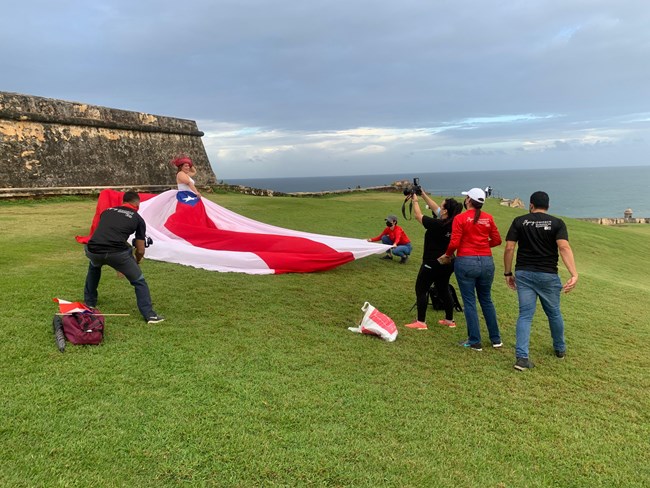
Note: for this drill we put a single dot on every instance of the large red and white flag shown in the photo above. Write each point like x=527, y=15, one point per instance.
x=197, y=232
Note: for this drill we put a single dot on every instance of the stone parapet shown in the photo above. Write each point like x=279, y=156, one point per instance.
x=616, y=221
x=77, y=190
x=46, y=143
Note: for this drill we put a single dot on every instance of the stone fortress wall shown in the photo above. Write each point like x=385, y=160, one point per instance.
x=616, y=221
x=52, y=146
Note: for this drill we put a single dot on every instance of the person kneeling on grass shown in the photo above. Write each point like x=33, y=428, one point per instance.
x=436, y=240
x=393, y=235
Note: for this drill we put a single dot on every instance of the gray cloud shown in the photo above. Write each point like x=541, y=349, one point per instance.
x=284, y=85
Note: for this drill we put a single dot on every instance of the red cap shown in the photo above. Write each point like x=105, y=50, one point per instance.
x=178, y=162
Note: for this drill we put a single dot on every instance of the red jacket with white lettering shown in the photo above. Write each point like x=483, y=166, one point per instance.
x=473, y=239
x=396, y=234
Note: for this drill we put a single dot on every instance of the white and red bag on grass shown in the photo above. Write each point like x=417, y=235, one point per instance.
x=376, y=323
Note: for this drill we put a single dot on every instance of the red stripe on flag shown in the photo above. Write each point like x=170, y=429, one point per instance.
x=283, y=254
x=71, y=307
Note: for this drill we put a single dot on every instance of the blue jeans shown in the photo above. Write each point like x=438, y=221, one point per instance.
x=476, y=274
x=124, y=262
x=546, y=286
x=399, y=251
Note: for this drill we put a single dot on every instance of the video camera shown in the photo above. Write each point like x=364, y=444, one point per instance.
x=414, y=189
x=148, y=241
x=409, y=191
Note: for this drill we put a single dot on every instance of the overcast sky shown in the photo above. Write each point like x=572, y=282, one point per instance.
x=338, y=87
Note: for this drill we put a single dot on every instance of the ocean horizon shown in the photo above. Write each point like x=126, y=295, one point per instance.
x=574, y=192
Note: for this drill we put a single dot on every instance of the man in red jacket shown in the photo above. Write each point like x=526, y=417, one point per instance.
x=394, y=235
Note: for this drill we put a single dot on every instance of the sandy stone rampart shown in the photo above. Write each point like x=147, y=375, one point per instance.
x=47, y=143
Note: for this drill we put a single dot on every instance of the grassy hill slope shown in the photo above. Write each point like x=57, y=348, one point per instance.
x=256, y=381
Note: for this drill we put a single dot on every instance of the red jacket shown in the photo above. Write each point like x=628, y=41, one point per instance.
x=395, y=234
x=470, y=239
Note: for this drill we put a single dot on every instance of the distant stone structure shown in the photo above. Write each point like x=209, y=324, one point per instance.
x=514, y=202
x=52, y=146
x=615, y=221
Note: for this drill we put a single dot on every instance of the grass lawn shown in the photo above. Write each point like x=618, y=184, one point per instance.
x=256, y=381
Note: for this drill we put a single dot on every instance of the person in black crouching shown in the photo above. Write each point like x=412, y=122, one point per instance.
x=108, y=245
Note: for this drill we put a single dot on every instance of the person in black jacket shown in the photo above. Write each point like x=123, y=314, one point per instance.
x=436, y=240
x=108, y=245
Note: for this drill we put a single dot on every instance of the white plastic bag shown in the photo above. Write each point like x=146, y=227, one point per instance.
x=376, y=323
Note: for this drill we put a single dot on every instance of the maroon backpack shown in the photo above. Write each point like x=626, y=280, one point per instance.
x=84, y=328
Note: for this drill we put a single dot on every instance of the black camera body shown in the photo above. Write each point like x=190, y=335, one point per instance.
x=414, y=189
x=148, y=241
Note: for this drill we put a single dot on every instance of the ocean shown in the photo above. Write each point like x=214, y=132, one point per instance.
x=574, y=192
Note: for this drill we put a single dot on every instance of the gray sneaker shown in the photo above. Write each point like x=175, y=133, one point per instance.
x=473, y=347
x=523, y=364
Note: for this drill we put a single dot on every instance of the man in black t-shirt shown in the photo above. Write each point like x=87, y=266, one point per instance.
x=108, y=245
x=541, y=237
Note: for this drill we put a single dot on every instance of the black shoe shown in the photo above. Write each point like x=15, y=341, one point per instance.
x=403, y=259
x=473, y=347
x=497, y=345
x=155, y=319
x=523, y=364
x=387, y=256
x=560, y=354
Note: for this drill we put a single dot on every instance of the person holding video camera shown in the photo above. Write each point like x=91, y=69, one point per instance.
x=473, y=235
x=436, y=240
x=108, y=245
x=393, y=235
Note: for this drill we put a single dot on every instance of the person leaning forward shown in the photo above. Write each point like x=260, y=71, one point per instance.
x=108, y=245
x=540, y=237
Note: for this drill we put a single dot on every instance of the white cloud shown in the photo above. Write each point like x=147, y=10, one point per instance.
x=327, y=86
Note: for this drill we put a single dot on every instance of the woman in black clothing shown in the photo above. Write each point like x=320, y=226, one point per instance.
x=436, y=239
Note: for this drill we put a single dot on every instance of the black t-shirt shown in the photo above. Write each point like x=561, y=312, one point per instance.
x=436, y=238
x=537, y=234
x=115, y=226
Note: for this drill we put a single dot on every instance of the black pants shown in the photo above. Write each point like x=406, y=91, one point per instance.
x=124, y=262
x=434, y=272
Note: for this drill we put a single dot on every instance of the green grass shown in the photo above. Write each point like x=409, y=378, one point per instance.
x=256, y=381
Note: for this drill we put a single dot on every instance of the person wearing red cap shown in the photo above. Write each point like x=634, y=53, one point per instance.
x=473, y=234
x=184, y=171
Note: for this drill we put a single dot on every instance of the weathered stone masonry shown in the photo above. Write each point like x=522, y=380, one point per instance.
x=55, y=144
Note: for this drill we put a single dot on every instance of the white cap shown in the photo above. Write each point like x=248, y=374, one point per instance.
x=475, y=194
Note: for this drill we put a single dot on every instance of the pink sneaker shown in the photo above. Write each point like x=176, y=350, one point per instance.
x=417, y=325
x=448, y=323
